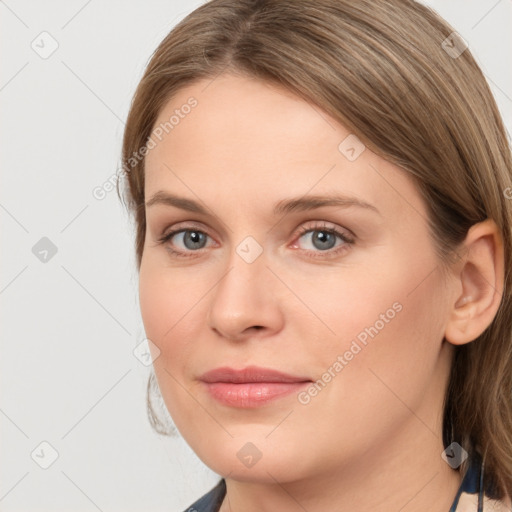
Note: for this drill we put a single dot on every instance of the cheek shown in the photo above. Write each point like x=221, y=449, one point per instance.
x=156, y=304
x=388, y=362
x=363, y=302
x=167, y=314
x=167, y=296
x=389, y=317
x=390, y=336
x=166, y=304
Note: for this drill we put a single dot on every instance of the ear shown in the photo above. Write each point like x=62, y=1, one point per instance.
x=479, y=275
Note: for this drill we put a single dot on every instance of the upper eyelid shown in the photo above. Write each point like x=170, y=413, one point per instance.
x=322, y=224
x=187, y=227
x=328, y=226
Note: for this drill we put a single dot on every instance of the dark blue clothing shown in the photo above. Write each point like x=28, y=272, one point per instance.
x=211, y=501
x=472, y=483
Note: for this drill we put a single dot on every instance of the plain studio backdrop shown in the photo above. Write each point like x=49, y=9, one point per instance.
x=75, y=434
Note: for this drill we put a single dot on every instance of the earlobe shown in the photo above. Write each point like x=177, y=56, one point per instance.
x=480, y=275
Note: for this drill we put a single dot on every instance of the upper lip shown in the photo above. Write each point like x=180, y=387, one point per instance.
x=249, y=374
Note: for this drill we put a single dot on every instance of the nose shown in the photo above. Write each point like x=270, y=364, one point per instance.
x=245, y=302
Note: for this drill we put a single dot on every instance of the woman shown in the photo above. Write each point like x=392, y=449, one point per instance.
x=321, y=192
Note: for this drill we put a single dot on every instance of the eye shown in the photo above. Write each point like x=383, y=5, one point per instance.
x=319, y=240
x=186, y=240
x=323, y=239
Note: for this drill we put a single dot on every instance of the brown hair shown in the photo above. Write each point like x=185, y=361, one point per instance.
x=388, y=72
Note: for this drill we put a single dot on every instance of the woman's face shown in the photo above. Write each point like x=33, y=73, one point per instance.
x=300, y=251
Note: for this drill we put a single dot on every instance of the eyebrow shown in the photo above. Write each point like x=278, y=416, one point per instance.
x=283, y=207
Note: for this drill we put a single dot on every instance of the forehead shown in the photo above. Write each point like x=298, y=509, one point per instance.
x=246, y=116
x=250, y=137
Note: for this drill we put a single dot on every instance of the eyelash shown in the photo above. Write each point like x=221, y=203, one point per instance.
x=347, y=241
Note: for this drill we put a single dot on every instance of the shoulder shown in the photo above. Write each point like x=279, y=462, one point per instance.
x=471, y=495
x=469, y=503
x=211, y=501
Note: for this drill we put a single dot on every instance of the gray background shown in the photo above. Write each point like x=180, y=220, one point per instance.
x=70, y=320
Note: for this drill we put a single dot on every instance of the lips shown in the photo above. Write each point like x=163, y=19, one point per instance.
x=249, y=374
x=252, y=386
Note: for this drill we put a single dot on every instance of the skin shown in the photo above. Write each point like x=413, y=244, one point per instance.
x=371, y=439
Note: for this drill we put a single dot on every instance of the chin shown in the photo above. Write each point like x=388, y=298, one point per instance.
x=253, y=462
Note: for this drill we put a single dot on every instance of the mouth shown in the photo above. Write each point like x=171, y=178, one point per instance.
x=252, y=386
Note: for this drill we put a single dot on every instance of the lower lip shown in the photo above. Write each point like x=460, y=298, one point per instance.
x=252, y=394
